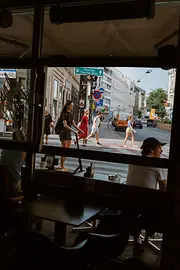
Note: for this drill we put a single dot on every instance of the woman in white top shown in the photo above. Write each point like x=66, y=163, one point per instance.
x=129, y=131
x=95, y=128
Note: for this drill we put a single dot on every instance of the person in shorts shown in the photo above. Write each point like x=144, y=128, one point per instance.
x=95, y=128
x=129, y=131
x=66, y=117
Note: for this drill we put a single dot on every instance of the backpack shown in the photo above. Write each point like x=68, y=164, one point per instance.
x=58, y=126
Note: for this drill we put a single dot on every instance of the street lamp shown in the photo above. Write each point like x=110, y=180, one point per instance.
x=118, y=108
x=147, y=72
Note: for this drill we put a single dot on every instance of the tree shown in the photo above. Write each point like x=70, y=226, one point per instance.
x=139, y=114
x=156, y=100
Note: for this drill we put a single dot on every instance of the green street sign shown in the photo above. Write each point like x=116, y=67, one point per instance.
x=89, y=71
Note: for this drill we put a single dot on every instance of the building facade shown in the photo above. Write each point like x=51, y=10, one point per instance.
x=118, y=92
x=122, y=95
x=62, y=85
x=171, y=87
x=105, y=82
x=139, y=104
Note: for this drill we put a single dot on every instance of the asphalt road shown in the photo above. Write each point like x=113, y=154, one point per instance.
x=141, y=134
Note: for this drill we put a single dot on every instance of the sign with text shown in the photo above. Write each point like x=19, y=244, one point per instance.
x=89, y=71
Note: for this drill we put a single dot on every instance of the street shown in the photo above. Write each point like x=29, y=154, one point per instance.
x=112, y=141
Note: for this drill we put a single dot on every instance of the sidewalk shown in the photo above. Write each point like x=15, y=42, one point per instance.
x=110, y=141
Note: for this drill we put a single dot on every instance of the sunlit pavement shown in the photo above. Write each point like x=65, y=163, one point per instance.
x=112, y=141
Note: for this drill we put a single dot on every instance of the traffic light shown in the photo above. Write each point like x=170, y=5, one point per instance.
x=92, y=78
x=83, y=90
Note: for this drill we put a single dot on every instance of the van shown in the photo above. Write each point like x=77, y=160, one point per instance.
x=122, y=122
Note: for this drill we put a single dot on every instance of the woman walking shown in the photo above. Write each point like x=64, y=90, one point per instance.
x=48, y=124
x=66, y=118
x=84, y=127
x=129, y=131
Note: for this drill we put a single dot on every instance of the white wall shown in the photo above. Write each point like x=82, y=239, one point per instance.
x=171, y=86
x=121, y=94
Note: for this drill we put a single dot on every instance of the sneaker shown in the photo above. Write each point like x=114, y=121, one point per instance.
x=99, y=143
x=63, y=169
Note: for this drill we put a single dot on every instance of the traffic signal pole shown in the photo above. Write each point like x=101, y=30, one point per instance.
x=88, y=93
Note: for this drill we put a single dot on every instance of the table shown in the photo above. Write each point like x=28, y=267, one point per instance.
x=61, y=213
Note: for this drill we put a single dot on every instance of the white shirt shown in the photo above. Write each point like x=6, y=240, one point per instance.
x=96, y=122
x=147, y=177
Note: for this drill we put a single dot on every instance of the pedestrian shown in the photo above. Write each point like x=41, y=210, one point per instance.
x=84, y=127
x=95, y=128
x=129, y=131
x=48, y=125
x=66, y=118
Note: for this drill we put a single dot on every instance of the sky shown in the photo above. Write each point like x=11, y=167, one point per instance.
x=158, y=78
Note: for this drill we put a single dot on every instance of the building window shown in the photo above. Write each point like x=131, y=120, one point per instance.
x=55, y=89
x=68, y=84
x=66, y=96
x=63, y=100
x=60, y=91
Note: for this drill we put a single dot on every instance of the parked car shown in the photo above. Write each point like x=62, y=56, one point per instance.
x=137, y=123
x=151, y=123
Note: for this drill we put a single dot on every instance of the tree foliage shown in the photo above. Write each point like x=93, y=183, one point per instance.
x=156, y=100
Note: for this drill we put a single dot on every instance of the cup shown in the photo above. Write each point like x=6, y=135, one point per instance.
x=118, y=178
x=42, y=165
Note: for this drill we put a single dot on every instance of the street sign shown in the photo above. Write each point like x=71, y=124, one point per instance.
x=99, y=103
x=101, y=90
x=89, y=71
x=97, y=94
x=10, y=72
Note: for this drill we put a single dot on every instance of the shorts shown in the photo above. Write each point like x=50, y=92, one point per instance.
x=94, y=130
x=129, y=130
x=65, y=136
x=47, y=131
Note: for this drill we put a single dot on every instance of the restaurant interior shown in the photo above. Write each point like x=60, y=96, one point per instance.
x=66, y=220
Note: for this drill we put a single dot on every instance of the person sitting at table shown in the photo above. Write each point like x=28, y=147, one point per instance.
x=14, y=160
x=148, y=177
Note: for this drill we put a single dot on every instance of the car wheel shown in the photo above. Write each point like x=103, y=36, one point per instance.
x=141, y=127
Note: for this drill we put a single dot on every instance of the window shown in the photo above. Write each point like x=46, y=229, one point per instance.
x=55, y=89
x=68, y=84
x=60, y=91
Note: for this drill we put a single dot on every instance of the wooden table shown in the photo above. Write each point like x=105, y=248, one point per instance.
x=61, y=213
